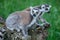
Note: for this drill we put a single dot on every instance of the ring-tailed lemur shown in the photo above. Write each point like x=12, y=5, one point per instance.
x=38, y=13
x=21, y=20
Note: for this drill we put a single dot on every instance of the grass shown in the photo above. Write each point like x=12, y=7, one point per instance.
x=9, y=6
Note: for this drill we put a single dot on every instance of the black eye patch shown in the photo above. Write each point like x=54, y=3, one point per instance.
x=37, y=12
x=34, y=15
x=33, y=11
x=46, y=9
x=43, y=7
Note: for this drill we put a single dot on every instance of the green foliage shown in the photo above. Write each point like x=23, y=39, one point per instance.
x=9, y=6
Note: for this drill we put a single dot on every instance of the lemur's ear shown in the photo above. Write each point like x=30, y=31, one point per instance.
x=31, y=8
x=50, y=6
x=47, y=5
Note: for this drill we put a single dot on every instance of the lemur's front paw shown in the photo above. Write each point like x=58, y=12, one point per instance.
x=46, y=25
x=26, y=37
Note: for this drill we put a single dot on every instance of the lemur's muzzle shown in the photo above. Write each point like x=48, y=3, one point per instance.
x=48, y=12
x=34, y=15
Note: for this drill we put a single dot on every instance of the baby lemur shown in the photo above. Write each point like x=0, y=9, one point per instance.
x=22, y=20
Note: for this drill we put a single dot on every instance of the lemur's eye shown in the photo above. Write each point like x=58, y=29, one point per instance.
x=33, y=11
x=46, y=9
x=34, y=15
x=43, y=7
x=36, y=12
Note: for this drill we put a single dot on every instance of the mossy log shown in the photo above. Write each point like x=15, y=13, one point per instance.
x=34, y=34
x=18, y=36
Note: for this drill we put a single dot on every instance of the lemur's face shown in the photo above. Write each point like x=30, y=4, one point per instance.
x=35, y=11
x=42, y=8
x=45, y=8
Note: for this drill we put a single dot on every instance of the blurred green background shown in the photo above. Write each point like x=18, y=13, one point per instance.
x=9, y=6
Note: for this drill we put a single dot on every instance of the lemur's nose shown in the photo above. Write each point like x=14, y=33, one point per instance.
x=48, y=12
x=46, y=8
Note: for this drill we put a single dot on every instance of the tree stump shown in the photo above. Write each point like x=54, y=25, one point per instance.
x=34, y=34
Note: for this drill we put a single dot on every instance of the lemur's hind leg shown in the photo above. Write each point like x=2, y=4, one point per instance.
x=24, y=32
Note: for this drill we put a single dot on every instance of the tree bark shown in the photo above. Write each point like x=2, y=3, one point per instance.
x=33, y=35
